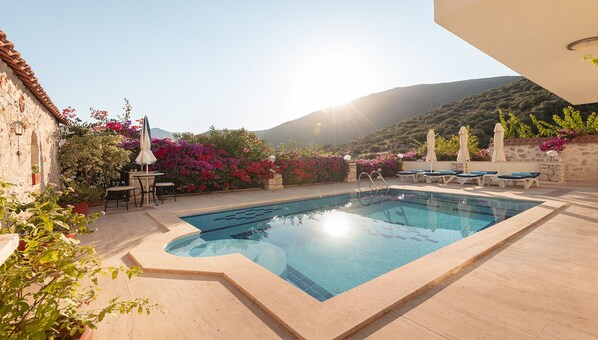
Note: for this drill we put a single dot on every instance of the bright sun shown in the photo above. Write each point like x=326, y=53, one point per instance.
x=331, y=79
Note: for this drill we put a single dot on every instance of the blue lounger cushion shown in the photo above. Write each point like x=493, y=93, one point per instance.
x=512, y=177
x=471, y=175
x=411, y=172
x=484, y=172
x=521, y=173
x=439, y=173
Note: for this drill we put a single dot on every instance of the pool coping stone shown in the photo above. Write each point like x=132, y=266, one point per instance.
x=343, y=315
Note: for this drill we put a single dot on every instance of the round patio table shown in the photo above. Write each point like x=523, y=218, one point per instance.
x=146, y=189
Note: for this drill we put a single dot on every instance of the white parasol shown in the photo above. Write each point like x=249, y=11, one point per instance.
x=145, y=144
x=463, y=155
x=431, y=141
x=498, y=153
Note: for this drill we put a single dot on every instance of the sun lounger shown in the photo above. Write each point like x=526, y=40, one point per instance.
x=488, y=177
x=416, y=175
x=445, y=175
x=525, y=178
x=475, y=178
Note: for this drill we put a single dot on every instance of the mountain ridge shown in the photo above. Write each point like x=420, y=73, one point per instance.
x=479, y=111
x=340, y=124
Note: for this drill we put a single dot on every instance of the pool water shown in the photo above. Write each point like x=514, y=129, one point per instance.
x=328, y=245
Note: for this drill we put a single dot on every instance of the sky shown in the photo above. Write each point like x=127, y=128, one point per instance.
x=189, y=65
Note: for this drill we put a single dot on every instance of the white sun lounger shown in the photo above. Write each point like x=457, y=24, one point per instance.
x=445, y=176
x=526, y=178
x=415, y=175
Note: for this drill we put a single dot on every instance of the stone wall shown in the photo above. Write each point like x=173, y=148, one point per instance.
x=37, y=145
x=524, y=150
x=579, y=159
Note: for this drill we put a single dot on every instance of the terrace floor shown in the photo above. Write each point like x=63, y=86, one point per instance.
x=542, y=284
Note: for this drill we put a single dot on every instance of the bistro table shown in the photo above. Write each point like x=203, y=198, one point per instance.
x=146, y=189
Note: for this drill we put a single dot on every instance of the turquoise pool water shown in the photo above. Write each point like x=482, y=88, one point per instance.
x=326, y=246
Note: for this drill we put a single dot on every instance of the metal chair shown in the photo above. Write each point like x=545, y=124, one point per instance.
x=118, y=191
x=164, y=184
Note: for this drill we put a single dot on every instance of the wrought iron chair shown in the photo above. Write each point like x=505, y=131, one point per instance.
x=165, y=186
x=117, y=190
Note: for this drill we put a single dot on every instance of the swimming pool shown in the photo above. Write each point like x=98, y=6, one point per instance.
x=328, y=245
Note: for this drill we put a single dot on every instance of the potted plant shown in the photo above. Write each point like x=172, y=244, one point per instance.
x=45, y=285
x=77, y=195
x=35, y=175
x=32, y=212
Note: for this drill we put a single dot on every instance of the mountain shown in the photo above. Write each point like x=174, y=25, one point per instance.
x=479, y=111
x=159, y=133
x=367, y=114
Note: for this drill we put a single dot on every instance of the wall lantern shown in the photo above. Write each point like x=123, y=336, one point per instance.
x=18, y=127
x=552, y=154
x=347, y=158
x=272, y=158
x=400, y=156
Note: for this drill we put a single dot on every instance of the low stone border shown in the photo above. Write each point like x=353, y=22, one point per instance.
x=346, y=313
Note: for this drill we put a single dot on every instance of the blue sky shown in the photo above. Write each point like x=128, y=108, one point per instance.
x=232, y=64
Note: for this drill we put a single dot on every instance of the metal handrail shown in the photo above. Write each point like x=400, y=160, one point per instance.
x=370, y=183
x=382, y=178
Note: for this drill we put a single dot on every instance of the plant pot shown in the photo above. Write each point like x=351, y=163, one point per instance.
x=36, y=178
x=22, y=245
x=87, y=334
x=81, y=208
x=95, y=203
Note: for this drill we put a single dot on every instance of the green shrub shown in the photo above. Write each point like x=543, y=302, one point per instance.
x=237, y=143
x=44, y=284
x=93, y=159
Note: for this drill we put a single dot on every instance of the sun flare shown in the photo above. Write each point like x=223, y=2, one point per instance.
x=331, y=79
x=336, y=225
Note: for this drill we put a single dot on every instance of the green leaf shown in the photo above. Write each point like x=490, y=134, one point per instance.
x=49, y=256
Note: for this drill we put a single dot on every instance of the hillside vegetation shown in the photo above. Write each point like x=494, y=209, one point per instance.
x=367, y=114
x=480, y=112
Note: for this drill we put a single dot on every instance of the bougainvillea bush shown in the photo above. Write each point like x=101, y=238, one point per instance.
x=199, y=168
x=389, y=164
x=481, y=155
x=410, y=156
x=313, y=169
x=238, y=143
x=559, y=142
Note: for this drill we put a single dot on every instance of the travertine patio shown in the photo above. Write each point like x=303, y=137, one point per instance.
x=541, y=284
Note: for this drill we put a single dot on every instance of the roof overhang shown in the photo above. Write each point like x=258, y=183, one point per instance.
x=531, y=38
x=23, y=71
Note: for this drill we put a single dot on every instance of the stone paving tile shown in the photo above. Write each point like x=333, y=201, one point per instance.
x=540, y=285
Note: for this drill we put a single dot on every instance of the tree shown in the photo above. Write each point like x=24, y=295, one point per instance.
x=515, y=128
x=572, y=120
